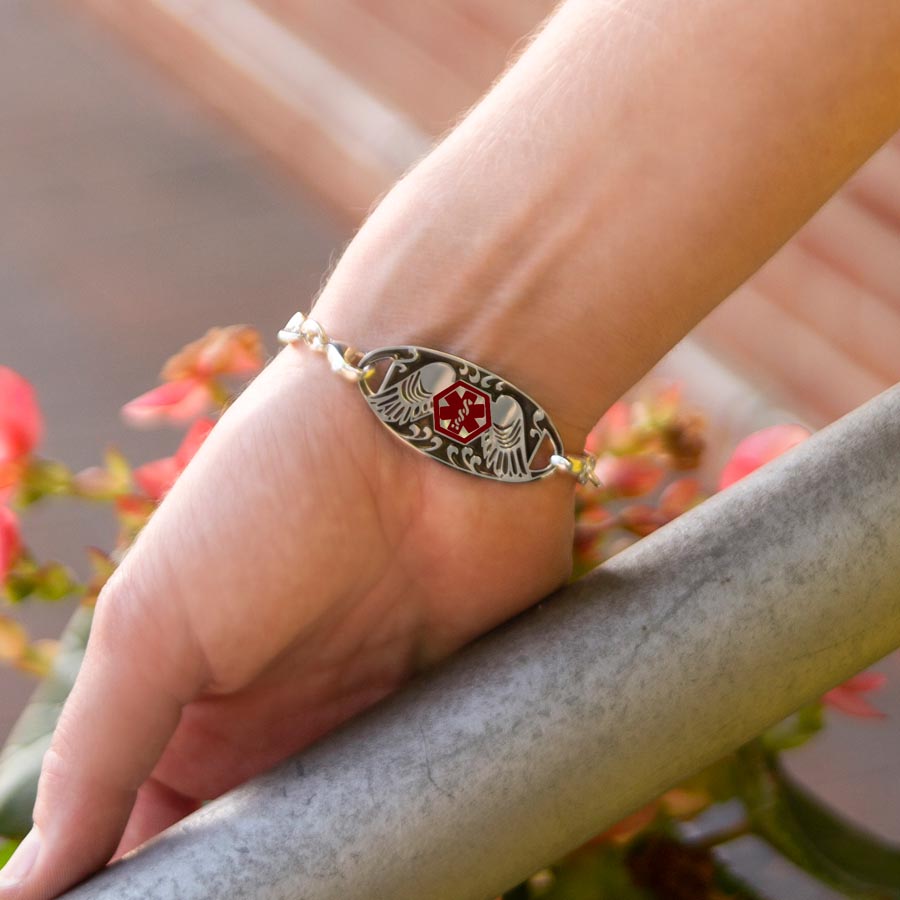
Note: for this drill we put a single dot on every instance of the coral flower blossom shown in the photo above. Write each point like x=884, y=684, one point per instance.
x=9, y=540
x=760, y=448
x=21, y=428
x=21, y=423
x=613, y=432
x=189, y=377
x=175, y=401
x=236, y=350
x=156, y=478
x=848, y=697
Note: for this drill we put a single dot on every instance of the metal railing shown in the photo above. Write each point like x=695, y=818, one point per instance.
x=555, y=726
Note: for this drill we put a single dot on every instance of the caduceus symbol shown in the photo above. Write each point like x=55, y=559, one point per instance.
x=469, y=408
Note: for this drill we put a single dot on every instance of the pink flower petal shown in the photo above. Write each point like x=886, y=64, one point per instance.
x=662, y=404
x=156, y=478
x=10, y=542
x=195, y=436
x=866, y=681
x=228, y=357
x=597, y=515
x=760, y=448
x=10, y=475
x=174, y=401
x=235, y=350
x=679, y=497
x=640, y=519
x=611, y=431
x=852, y=703
x=21, y=423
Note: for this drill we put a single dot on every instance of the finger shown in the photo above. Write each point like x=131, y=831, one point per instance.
x=156, y=808
x=124, y=707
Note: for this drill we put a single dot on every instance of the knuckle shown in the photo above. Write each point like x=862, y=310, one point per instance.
x=142, y=629
x=56, y=767
x=123, y=620
x=55, y=780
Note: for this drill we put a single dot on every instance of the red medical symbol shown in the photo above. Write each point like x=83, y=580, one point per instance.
x=462, y=412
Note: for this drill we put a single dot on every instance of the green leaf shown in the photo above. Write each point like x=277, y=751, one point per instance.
x=51, y=581
x=43, y=478
x=717, y=780
x=817, y=839
x=795, y=730
x=21, y=580
x=7, y=848
x=55, y=581
x=857, y=852
x=119, y=470
x=20, y=759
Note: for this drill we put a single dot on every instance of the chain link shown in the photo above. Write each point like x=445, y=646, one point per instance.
x=343, y=359
x=583, y=467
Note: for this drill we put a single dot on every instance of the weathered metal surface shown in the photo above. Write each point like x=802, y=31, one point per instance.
x=558, y=724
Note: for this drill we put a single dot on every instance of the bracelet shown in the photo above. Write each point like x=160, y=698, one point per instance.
x=450, y=409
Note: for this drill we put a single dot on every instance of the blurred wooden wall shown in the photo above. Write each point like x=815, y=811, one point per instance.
x=347, y=93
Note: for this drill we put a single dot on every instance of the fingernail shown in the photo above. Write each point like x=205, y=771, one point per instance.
x=22, y=861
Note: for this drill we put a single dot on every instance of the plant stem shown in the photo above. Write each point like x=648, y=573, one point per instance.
x=723, y=836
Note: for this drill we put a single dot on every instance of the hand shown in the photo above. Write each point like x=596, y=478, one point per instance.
x=305, y=564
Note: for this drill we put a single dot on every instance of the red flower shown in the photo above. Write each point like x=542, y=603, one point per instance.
x=613, y=432
x=236, y=350
x=10, y=474
x=760, y=448
x=10, y=543
x=156, y=478
x=21, y=424
x=848, y=697
x=679, y=497
x=190, y=377
x=175, y=401
x=641, y=519
x=21, y=427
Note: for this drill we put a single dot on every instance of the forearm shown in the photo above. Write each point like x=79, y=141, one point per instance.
x=637, y=163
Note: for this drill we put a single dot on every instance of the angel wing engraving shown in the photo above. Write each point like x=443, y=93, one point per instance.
x=503, y=445
x=411, y=397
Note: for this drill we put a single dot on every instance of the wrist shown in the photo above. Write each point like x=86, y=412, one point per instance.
x=580, y=220
x=415, y=274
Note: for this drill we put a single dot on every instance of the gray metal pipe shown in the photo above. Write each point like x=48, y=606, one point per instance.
x=555, y=726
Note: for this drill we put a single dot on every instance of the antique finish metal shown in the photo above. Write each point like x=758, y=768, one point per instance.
x=450, y=409
x=461, y=414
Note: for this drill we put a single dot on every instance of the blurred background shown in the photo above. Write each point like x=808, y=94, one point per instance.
x=169, y=165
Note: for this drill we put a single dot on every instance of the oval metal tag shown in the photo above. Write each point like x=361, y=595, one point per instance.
x=460, y=414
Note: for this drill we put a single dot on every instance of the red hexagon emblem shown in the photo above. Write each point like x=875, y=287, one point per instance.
x=462, y=412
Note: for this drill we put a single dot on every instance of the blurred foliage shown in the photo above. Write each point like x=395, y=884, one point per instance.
x=7, y=848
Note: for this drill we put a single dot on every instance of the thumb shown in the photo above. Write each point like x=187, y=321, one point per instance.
x=136, y=677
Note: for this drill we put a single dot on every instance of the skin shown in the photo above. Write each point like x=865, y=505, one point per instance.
x=639, y=162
